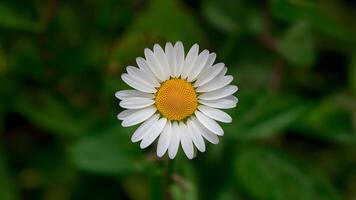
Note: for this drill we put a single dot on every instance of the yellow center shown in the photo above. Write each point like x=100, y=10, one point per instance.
x=176, y=99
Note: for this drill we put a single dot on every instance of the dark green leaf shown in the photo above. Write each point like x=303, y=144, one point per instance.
x=12, y=20
x=312, y=13
x=297, y=45
x=261, y=116
x=221, y=15
x=7, y=190
x=173, y=26
x=55, y=115
x=271, y=175
x=151, y=27
x=330, y=119
x=233, y=17
x=107, y=152
x=184, y=184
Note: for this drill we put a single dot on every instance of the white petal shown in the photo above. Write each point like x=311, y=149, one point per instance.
x=218, y=94
x=208, y=64
x=209, y=74
x=142, y=64
x=171, y=57
x=136, y=103
x=175, y=139
x=208, y=135
x=154, y=65
x=162, y=58
x=210, y=60
x=199, y=64
x=153, y=132
x=189, y=61
x=123, y=114
x=186, y=141
x=139, y=116
x=179, y=57
x=124, y=94
x=217, y=83
x=138, y=85
x=147, y=78
x=223, y=72
x=225, y=103
x=142, y=130
x=233, y=98
x=215, y=114
x=209, y=123
x=164, y=139
x=195, y=134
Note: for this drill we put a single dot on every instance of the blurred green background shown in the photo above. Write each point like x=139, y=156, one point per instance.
x=293, y=134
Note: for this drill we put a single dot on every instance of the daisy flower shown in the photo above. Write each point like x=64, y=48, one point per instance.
x=178, y=98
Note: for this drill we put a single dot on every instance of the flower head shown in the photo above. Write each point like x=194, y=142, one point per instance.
x=177, y=98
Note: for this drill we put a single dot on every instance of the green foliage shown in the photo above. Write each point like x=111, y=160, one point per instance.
x=7, y=191
x=187, y=186
x=311, y=12
x=222, y=15
x=105, y=153
x=293, y=130
x=233, y=17
x=52, y=114
x=257, y=120
x=297, y=45
x=331, y=119
x=173, y=26
x=12, y=20
x=150, y=26
x=268, y=174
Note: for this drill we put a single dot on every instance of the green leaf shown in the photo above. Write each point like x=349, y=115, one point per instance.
x=12, y=20
x=173, y=26
x=184, y=186
x=24, y=59
x=52, y=114
x=222, y=15
x=232, y=17
x=330, y=119
x=162, y=20
x=263, y=115
x=312, y=13
x=271, y=175
x=297, y=45
x=7, y=190
x=107, y=152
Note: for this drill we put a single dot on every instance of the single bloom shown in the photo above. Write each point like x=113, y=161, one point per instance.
x=178, y=98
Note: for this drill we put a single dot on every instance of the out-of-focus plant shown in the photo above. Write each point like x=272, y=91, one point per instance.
x=294, y=129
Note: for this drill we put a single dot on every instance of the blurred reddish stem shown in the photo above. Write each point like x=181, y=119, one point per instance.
x=270, y=42
x=50, y=11
x=180, y=181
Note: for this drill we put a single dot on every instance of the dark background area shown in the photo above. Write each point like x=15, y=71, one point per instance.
x=293, y=134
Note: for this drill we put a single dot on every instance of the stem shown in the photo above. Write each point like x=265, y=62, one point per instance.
x=50, y=11
x=168, y=165
x=277, y=76
x=270, y=42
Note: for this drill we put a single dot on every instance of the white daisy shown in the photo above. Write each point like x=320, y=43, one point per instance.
x=176, y=98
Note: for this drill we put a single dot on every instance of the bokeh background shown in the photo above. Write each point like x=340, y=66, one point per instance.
x=293, y=134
